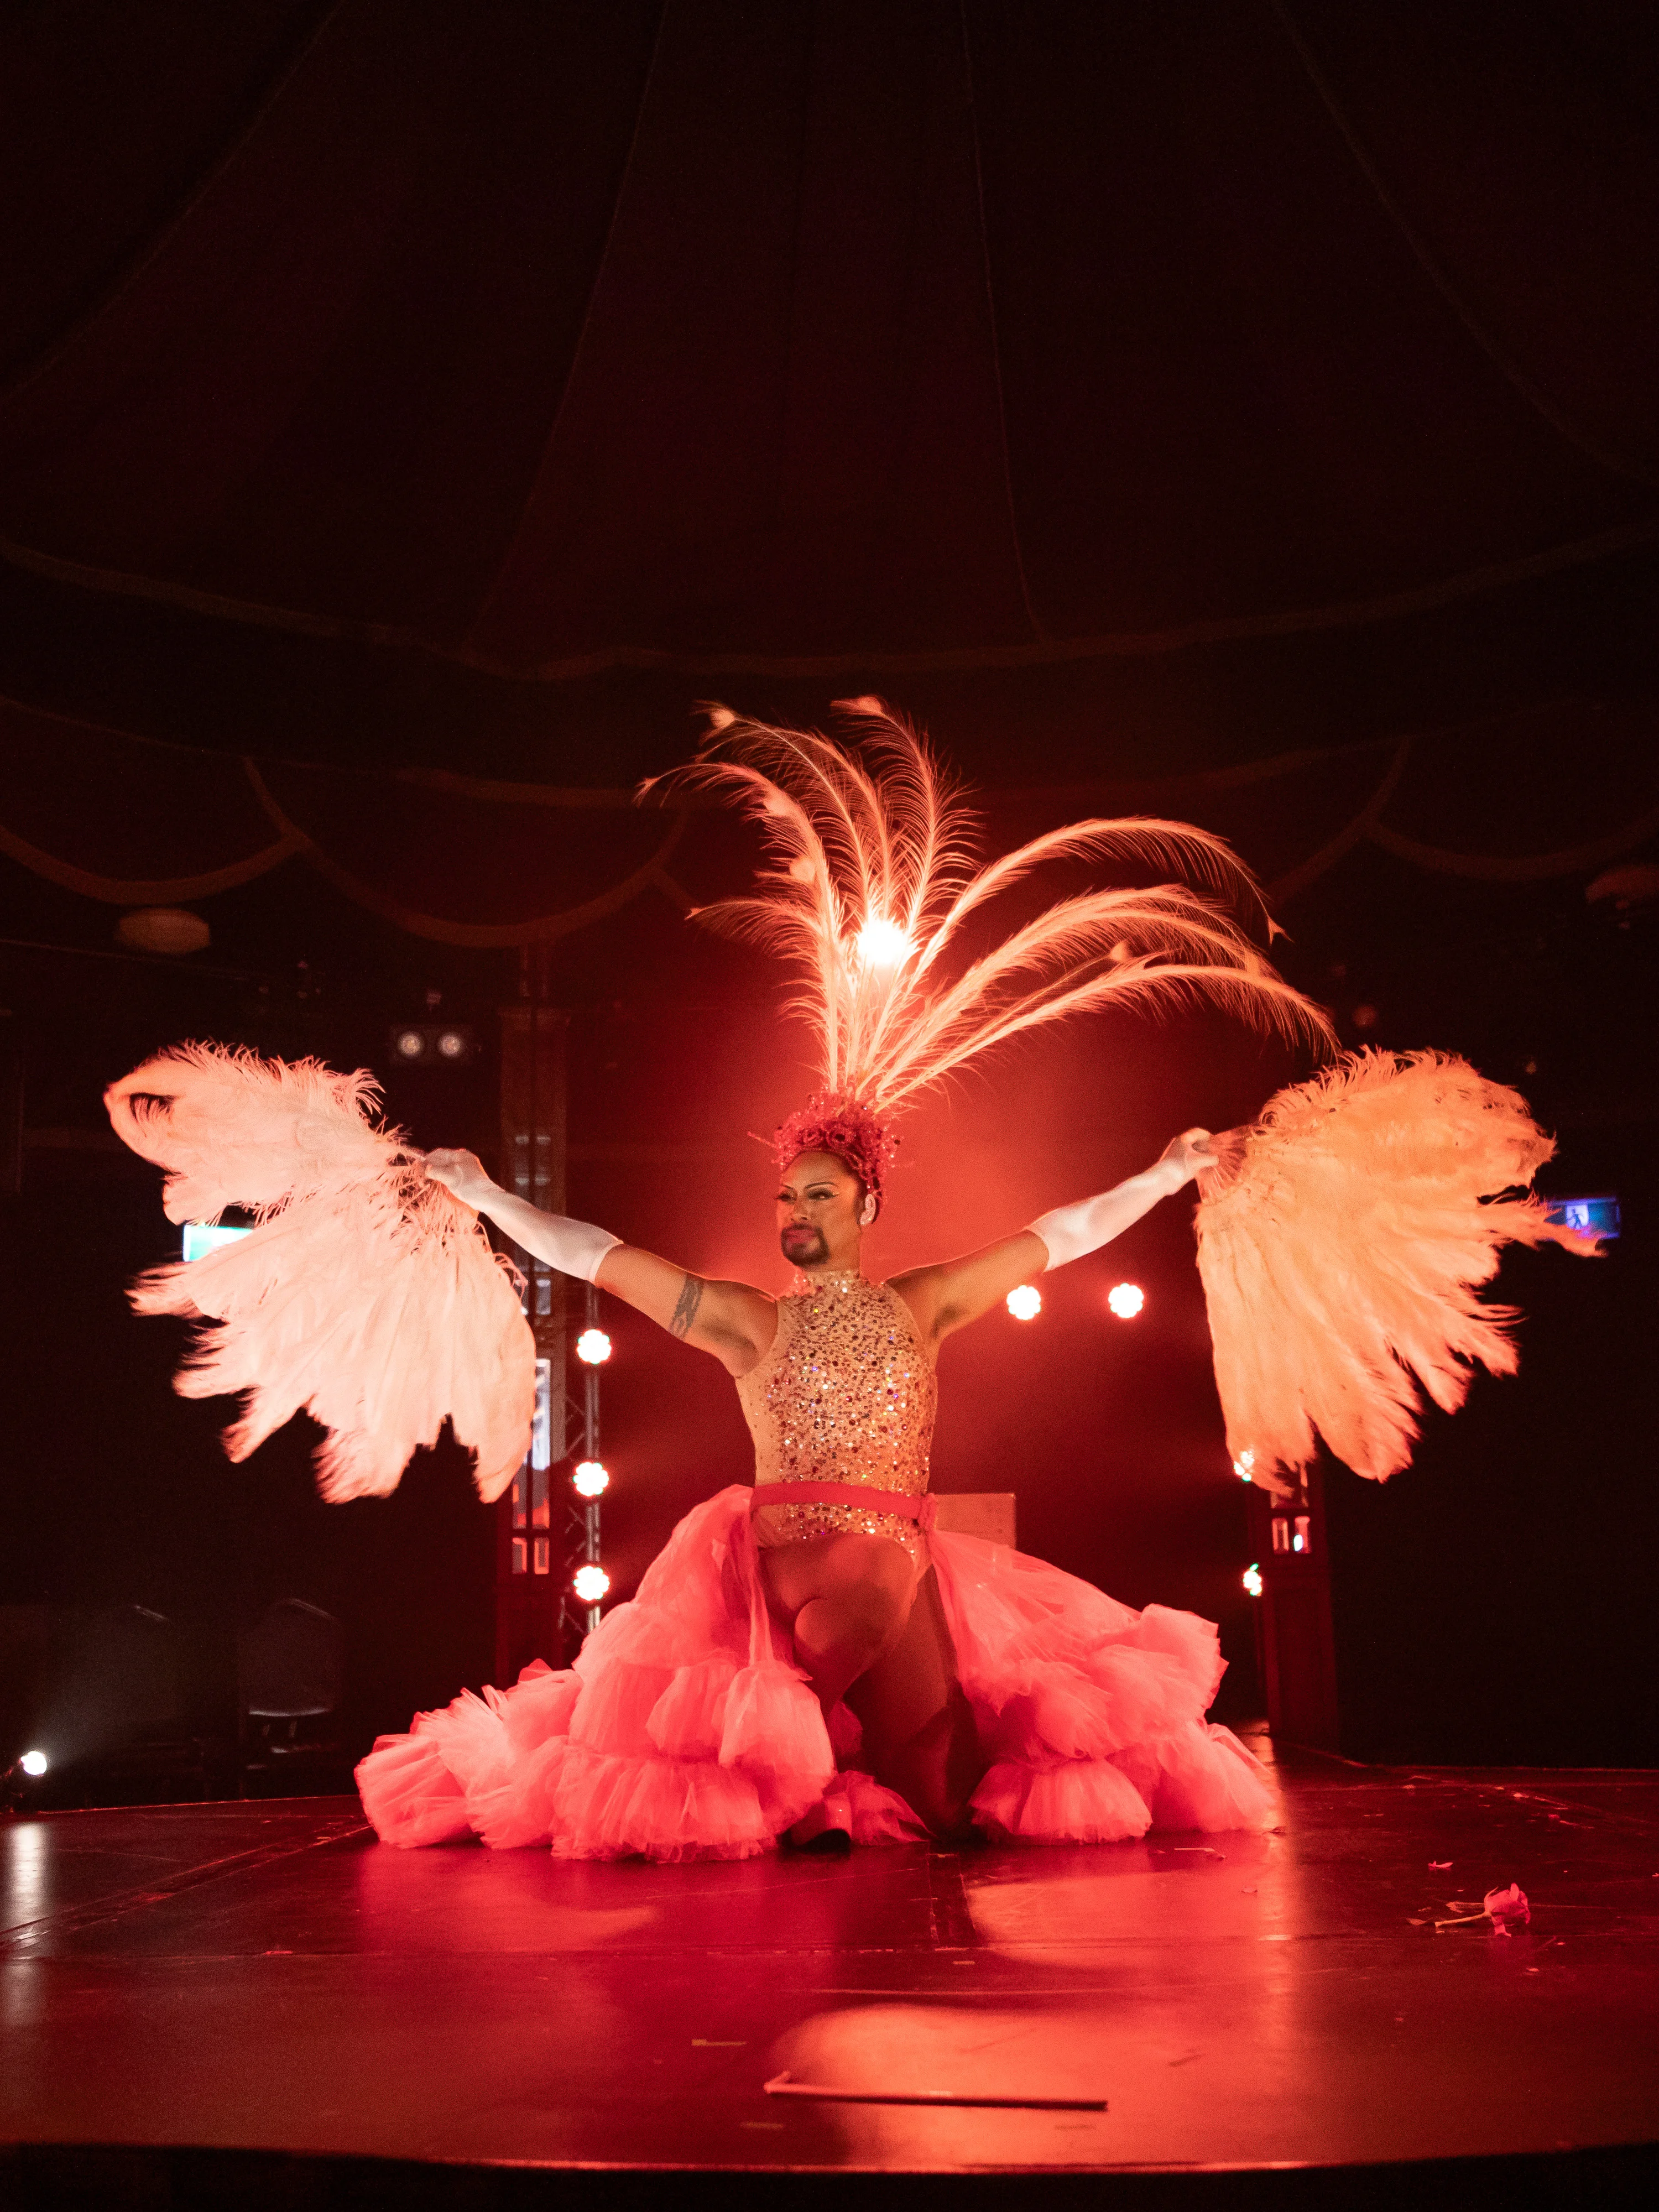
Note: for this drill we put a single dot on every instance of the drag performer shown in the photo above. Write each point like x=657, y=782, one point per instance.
x=836, y=1379
x=810, y=1658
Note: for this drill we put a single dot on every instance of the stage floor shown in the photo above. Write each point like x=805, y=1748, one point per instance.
x=267, y=1975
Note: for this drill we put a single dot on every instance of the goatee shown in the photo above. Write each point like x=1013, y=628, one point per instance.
x=804, y=1251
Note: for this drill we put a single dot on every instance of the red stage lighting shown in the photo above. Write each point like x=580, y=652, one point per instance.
x=590, y=1582
x=1125, y=1300
x=590, y=1480
x=594, y=1347
x=1025, y=1301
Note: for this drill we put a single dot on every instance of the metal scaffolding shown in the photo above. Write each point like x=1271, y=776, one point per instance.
x=577, y=1620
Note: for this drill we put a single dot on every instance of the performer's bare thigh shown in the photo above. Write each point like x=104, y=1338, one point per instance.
x=918, y=1733
x=872, y=1571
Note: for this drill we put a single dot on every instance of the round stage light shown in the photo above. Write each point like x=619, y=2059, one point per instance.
x=590, y=1480
x=590, y=1583
x=883, y=942
x=1244, y=1467
x=409, y=1044
x=451, y=1044
x=594, y=1347
x=1252, y=1579
x=1125, y=1300
x=33, y=1763
x=1025, y=1301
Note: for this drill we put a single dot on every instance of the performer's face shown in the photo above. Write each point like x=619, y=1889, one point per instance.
x=819, y=1203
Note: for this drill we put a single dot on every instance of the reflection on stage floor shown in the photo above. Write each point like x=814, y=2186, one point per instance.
x=267, y=1975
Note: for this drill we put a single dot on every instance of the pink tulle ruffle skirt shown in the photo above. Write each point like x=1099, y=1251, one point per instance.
x=686, y=1730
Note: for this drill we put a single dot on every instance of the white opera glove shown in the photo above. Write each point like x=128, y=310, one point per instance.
x=574, y=1247
x=1071, y=1231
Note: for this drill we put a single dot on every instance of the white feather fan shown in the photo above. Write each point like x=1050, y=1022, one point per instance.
x=366, y=1295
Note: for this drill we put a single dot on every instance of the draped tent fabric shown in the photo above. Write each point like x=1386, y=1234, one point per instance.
x=450, y=859
x=492, y=856
x=479, y=864
x=97, y=812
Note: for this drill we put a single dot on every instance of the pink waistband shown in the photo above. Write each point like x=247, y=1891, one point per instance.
x=908, y=1507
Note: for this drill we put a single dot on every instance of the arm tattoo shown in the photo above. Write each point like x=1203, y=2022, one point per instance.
x=686, y=1311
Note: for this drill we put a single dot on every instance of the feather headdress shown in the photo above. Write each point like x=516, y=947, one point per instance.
x=365, y=1294
x=872, y=878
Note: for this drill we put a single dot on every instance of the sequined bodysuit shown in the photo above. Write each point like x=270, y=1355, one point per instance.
x=846, y=1393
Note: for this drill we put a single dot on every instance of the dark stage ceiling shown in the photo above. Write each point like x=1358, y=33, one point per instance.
x=1125, y=390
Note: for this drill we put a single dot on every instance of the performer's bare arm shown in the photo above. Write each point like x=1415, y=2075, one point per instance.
x=732, y=1320
x=948, y=1296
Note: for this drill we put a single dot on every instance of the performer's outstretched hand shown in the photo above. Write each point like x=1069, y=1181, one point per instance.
x=1189, y=1151
x=462, y=1174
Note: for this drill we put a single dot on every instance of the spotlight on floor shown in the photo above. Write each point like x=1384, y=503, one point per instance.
x=1025, y=1303
x=1125, y=1300
x=17, y=1782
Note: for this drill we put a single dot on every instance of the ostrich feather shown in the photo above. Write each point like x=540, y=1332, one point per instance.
x=873, y=872
x=366, y=1295
x=233, y=1129
x=1342, y=1243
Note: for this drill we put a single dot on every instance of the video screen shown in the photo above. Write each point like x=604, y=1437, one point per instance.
x=1591, y=1217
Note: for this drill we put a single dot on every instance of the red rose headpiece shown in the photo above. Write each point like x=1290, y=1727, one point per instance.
x=843, y=1127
